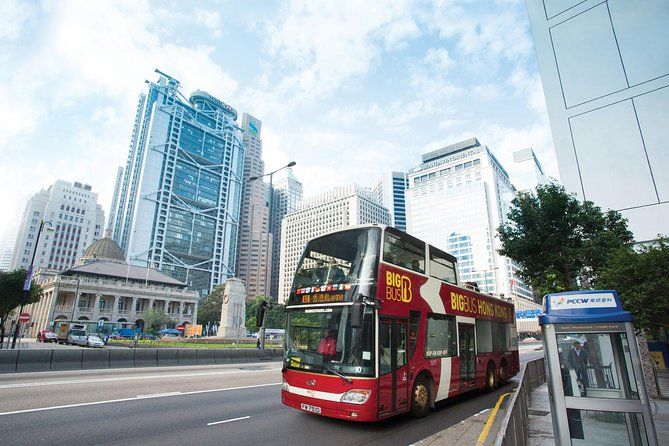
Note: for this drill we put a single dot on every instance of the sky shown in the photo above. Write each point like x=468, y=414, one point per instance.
x=346, y=89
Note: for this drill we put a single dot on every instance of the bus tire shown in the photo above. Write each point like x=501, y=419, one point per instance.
x=420, y=398
x=490, y=380
x=503, y=373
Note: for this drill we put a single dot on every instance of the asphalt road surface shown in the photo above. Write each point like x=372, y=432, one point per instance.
x=234, y=404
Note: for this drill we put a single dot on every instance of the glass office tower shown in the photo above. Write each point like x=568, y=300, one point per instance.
x=605, y=71
x=457, y=198
x=178, y=205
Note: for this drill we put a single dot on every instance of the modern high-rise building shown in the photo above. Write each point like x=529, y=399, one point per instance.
x=117, y=192
x=75, y=220
x=338, y=208
x=7, y=251
x=252, y=256
x=457, y=198
x=389, y=190
x=287, y=196
x=605, y=72
x=178, y=207
x=527, y=172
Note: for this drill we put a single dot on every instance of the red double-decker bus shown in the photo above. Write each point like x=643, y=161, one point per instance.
x=377, y=325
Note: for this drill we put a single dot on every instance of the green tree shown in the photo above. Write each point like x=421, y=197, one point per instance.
x=154, y=319
x=275, y=314
x=12, y=295
x=209, y=309
x=641, y=277
x=560, y=242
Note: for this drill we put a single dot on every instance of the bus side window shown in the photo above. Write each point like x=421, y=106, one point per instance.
x=414, y=321
x=404, y=252
x=442, y=268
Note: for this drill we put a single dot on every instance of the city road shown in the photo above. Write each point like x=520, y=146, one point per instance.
x=234, y=404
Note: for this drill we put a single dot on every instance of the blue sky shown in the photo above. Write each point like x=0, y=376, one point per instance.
x=347, y=89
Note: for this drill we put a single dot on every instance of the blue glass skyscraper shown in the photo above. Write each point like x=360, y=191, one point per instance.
x=178, y=203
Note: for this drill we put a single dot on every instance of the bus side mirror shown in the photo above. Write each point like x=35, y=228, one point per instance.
x=356, y=314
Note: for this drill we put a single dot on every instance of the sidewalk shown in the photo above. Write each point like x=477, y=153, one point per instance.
x=541, y=427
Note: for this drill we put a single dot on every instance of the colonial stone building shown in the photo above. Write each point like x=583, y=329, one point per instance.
x=102, y=286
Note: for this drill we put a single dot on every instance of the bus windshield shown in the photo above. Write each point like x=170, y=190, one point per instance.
x=342, y=262
x=322, y=340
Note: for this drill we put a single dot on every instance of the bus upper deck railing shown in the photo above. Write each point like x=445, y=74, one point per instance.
x=514, y=429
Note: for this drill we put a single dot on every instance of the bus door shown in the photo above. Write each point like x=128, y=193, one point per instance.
x=393, y=369
x=467, y=355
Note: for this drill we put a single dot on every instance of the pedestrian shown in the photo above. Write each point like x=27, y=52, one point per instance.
x=258, y=342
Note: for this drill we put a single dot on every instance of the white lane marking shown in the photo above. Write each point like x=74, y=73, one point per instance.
x=228, y=421
x=120, y=400
x=158, y=395
x=483, y=411
x=126, y=378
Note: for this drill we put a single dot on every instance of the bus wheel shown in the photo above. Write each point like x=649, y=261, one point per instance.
x=420, y=398
x=502, y=374
x=490, y=377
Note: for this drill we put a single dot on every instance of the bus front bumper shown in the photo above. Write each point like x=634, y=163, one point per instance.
x=330, y=409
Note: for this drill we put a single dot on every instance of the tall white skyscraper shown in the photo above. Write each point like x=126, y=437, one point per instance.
x=527, y=172
x=77, y=221
x=252, y=255
x=605, y=72
x=287, y=196
x=115, y=198
x=178, y=208
x=7, y=250
x=456, y=200
x=341, y=207
x=390, y=190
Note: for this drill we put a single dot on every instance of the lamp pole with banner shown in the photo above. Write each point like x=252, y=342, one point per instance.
x=261, y=333
x=26, y=284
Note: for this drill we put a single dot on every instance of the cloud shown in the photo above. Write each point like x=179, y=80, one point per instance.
x=439, y=59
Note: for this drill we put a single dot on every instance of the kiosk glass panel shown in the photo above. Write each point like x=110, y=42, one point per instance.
x=596, y=365
x=597, y=428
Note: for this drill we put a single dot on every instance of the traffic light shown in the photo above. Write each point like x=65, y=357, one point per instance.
x=260, y=313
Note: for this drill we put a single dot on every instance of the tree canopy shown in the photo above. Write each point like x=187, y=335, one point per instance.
x=559, y=242
x=12, y=295
x=641, y=277
x=209, y=309
x=154, y=319
x=275, y=314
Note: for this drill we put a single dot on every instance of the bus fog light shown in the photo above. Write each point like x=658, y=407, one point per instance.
x=356, y=396
x=285, y=386
x=354, y=414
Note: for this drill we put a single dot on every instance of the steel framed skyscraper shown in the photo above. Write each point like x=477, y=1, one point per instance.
x=178, y=205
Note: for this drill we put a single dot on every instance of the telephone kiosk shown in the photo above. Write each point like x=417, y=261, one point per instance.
x=595, y=379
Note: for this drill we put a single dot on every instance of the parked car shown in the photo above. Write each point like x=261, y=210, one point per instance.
x=148, y=336
x=169, y=337
x=94, y=341
x=47, y=336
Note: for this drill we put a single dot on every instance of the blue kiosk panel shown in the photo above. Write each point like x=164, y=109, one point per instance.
x=583, y=307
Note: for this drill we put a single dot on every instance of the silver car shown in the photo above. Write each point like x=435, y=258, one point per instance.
x=94, y=341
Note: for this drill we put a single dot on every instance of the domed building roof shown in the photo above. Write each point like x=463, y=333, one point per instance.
x=103, y=249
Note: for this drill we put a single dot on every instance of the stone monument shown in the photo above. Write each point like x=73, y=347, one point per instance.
x=233, y=310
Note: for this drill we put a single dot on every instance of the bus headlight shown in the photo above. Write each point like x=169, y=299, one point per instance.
x=284, y=385
x=356, y=396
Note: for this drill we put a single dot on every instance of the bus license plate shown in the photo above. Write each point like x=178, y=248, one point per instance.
x=310, y=408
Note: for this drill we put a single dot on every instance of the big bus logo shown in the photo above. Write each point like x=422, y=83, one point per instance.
x=398, y=287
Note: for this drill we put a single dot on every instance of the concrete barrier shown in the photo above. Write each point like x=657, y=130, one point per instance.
x=121, y=357
x=205, y=356
x=146, y=357
x=222, y=355
x=66, y=359
x=95, y=359
x=37, y=360
x=187, y=356
x=265, y=355
x=168, y=356
x=8, y=360
x=238, y=355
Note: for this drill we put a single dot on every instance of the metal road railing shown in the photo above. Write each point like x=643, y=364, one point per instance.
x=514, y=430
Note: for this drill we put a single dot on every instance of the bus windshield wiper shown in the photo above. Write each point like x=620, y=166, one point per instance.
x=334, y=372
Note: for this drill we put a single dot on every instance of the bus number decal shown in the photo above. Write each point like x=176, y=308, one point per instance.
x=398, y=287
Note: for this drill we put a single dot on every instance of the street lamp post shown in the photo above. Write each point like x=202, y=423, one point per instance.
x=26, y=286
x=261, y=334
